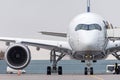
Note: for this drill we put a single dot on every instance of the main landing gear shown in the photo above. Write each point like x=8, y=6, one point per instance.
x=54, y=70
x=54, y=59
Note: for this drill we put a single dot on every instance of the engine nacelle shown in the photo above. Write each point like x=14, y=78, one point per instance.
x=17, y=56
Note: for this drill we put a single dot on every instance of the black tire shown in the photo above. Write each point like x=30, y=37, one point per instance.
x=11, y=72
x=94, y=61
x=48, y=70
x=91, y=71
x=117, y=71
x=60, y=70
x=86, y=71
x=116, y=68
x=83, y=61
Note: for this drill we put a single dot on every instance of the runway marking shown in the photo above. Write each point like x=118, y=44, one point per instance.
x=98, y=78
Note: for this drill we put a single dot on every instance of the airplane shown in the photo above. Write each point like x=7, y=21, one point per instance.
x=87, y=41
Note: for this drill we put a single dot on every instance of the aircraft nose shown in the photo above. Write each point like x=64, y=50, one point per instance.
x=88, y=42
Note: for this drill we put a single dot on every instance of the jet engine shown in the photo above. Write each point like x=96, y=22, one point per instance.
x=17, y=56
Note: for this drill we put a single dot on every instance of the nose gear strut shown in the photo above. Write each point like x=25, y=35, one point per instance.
x=88, y=68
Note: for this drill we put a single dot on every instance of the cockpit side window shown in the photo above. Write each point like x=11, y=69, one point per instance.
x=88, y=27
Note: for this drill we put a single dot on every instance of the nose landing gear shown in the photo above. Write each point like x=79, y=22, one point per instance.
x=88, y=69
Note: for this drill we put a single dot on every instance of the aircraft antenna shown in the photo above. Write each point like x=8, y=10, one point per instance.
x=88, y=5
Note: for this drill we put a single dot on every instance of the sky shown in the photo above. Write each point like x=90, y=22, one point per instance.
x=25, y=18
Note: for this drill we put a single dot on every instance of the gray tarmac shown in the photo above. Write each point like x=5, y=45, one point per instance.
x=58, y=77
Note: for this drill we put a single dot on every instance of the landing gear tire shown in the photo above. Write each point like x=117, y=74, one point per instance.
x=116, y=71
x=91, y=71
x=86, y=71
x=48, y=70
x=116, y=68
x=60, y=70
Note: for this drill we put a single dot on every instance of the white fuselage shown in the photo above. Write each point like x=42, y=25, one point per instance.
x=87, y=37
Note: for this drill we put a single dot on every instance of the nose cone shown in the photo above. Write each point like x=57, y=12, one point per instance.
x=88, y=41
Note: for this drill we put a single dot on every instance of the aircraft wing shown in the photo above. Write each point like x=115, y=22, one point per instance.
x=54, y=34
x=46, y=44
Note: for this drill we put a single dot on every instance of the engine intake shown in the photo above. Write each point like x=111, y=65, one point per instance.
x=17, y=56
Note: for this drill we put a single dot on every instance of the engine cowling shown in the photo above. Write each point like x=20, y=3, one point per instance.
x=17, y=56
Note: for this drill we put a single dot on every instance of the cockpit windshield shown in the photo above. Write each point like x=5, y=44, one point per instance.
x=88, y=27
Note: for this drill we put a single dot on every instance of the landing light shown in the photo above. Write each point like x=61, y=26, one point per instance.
x=88, y=56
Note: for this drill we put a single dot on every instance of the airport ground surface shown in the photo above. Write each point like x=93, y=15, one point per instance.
x=58, y=77
x=72, y=70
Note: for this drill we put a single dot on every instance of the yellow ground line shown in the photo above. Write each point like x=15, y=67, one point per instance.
x=98, y=78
